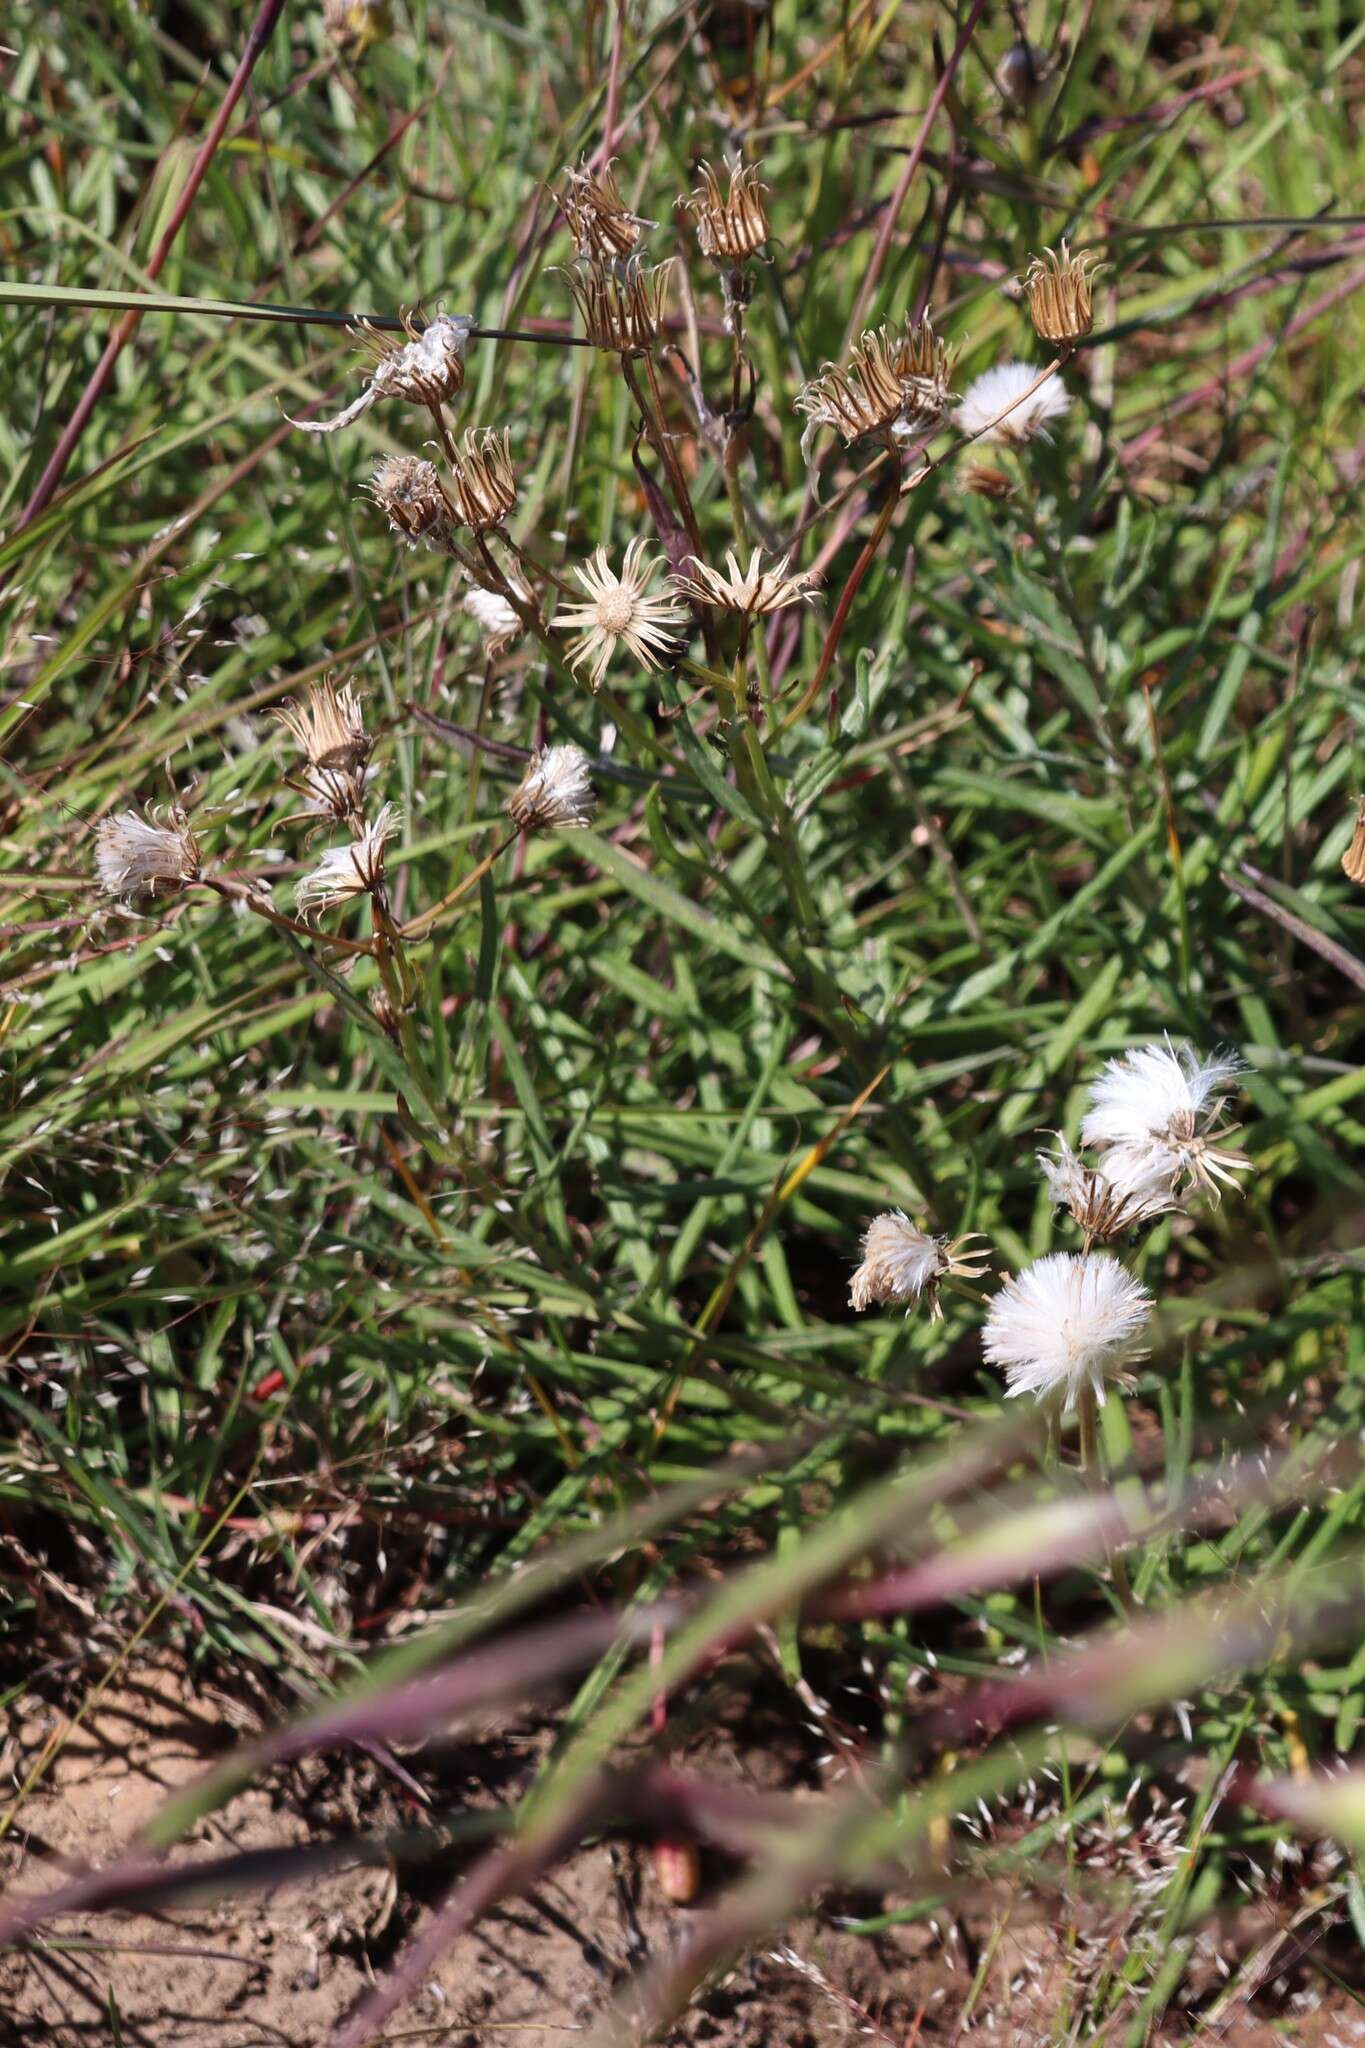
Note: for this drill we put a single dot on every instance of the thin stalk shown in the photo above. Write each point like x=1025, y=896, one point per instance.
x=416, y=927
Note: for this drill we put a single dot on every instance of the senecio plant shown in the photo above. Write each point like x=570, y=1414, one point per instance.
x=1068, y=1326
x=644, y=610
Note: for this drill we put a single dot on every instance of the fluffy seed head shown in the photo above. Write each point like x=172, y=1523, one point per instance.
x=329, y=730
x=351, y=870
x=155, y=854
x=1002, y=391
x=408, y=492
x=1155, y=1111
x=732, y=226
x=622, y=305
x=902, y=1263
x=753, y=591
x=483, y=485
x=1064, y=1322
x=1104, y=1207
x=556, y=793
x=495, y=618
x=603, y=230
x=621, y=610
x=1059, y=288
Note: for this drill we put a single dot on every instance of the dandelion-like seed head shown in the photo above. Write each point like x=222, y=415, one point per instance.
x=1105, y=1207
x=1006, y=390
x=623, y=305
x=408, y=491
x=902, y=1263
x=622, y=610
x=1060, y=292
x=351, y=870
x=731, y=226
x=897, y=384
x=482, y=486
x=1156, y=1112
x=753, y=591
x=556, y=793
x=1067, y=1321
x=498, y=623
x=603, y=229
x=146, y=854
x=426, y=369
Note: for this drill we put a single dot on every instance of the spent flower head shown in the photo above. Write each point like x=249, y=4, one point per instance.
x=622, y=305
x=1105, y=1205
x=753, y=591
x=897, y=385
x=1001, y=405
x=1059, y=288
x=351, y=870
x=621, y=609
x=556, y=793
x=329, y=729
x=409, y=492
x=902, y=1263
x=731, y=226
x=1156, y=1112
x=603, y=229
x=482, y=485
x=1067, y=1321
x=146, y=854
x=426, y=369
x=498, y=622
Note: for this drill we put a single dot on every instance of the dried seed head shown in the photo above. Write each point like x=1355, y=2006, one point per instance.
x=354, y=25
x=622, y=306
x=1106, y=1205
x=556, y=793
x=621, y=610
x=426, y=369
x=483, y=484
x=1353, y=860
x=897, y=385
x=603, y=229
x=987, y=482
x=754, y=591
x=495, y=618
x=733, y=226
x=1159, y=1111
x=330, y=732
x=155, y=854
x=409, y=493
x=1059, y=288
x=352, y=870
x=901, y=1263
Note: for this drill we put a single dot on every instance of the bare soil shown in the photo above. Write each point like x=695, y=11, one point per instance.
x=280, y=1968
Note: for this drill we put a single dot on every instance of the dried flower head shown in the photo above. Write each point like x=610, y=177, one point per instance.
x=354, y=25
x=986, y=482
x=556, y=793
x=1105, y=1205
x=351, y=870
x=1066, y=1321
x=483, y=485
x=1155, y=1111
x=622, y=306
x=897, y=385
x=1059, y=289
x=620, y=609
x=409, y=492
x=731, y=226
x=904, y=1264
x=1353, y=860
x=603, y=229
x=426, y=369
x=1001, y=405
x=330, y=732
x=497, y=621
x=151, y=854
x=754, y=591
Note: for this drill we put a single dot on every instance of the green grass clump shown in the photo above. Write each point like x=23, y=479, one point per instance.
x=500, y=1256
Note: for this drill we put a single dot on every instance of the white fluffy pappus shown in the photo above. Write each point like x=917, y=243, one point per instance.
x=1067, y=1321
x=903, y=1263
x=998, y=390
x=1155, y=1110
